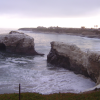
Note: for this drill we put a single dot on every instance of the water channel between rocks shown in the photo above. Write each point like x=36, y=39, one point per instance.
x=35, y=75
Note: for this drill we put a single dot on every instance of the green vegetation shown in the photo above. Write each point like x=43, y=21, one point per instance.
x=95, y=95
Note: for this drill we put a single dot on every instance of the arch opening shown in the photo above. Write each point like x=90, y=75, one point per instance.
x=2, y=47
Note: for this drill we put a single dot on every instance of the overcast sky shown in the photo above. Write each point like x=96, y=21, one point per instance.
x=15, y=11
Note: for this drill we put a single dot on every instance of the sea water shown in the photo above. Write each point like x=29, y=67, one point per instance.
x=36, y=75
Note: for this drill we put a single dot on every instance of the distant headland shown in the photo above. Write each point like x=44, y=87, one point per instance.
x=88, y=32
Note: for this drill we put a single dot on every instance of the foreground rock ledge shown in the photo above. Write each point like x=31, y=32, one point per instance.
x=16, y=42
x=71, y=57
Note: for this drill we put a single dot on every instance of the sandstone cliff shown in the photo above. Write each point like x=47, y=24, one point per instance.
x=73, y=58
x=16, y=42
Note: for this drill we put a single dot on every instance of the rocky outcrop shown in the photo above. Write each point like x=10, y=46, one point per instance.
x=16, y=42
x=73, y=58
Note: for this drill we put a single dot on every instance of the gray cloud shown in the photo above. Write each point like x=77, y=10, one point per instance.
x=49, y=8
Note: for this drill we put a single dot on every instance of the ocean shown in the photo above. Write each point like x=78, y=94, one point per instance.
x=34, y=74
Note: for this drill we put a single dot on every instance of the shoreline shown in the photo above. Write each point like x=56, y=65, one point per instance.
x=63, y=33
x=90, y=33
x=84, y=34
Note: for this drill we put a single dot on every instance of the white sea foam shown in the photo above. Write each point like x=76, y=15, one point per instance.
x=35, y=75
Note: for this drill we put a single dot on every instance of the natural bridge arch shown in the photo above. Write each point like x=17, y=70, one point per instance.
x=2, y=47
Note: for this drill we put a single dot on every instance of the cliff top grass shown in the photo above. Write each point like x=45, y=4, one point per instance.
x=94, y=95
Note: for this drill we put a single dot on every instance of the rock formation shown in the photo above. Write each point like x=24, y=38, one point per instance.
x=16, y=42
x=73, y=58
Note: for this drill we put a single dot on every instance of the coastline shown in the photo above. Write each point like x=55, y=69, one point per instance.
x=90, y=33
x=86, y=34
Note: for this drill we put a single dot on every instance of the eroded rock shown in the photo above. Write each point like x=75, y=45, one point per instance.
x=73, y=58
x=68, y=56
x=16, y=42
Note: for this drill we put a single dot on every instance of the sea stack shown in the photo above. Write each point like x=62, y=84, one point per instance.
x=19, y=43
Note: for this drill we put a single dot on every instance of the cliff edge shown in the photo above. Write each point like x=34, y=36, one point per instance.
x=73, y=58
